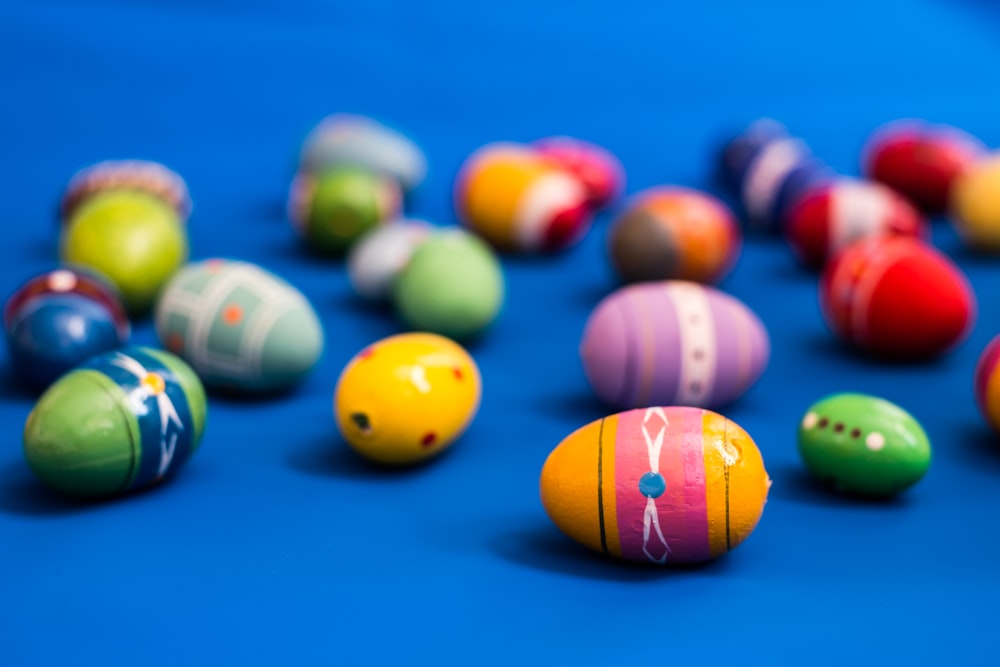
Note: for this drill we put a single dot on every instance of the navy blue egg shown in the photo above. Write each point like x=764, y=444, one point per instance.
x=52, y=335
x=810, y=172
x=740, y=152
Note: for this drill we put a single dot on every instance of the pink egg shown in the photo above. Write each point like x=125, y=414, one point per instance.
x=672, y=343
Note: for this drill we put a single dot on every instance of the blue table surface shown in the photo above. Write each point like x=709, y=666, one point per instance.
x=276, y=545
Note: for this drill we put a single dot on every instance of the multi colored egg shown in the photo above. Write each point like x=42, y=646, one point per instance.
x=239, y=326
x=357, y=141
x=830, y=217
x=674, y=233
x=601, y=173
x=331, y=210
x=380, y=255
x=661, y=485
x=766, y=170
x=986, y=384
x=672, y=343
x=519, y=201
x=864, y=445
x=452, y=285
x=975, y=205
x=58, y=320
x=920, y=160
x=139, y=175
x=406, y=398
x=132, y=238
x=124, y=420
x=896, y=297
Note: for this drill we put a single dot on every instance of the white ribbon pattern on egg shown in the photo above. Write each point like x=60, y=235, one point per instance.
x=651, y=518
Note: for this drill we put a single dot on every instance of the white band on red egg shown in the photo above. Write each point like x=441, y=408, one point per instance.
x=857, y=290
x=546, y=198
x=856, y=210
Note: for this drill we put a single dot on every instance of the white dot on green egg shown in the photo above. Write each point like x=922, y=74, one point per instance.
x=875, y=441
x=809, y=420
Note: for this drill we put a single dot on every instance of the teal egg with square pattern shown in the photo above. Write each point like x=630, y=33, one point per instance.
x=239, y=326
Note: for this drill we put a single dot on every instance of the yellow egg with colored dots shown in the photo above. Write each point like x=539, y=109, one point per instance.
x=407, y=397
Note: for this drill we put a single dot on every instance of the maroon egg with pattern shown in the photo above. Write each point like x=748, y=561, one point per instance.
x=672, y=343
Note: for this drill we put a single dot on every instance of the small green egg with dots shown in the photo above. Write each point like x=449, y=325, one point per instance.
x=863, y=445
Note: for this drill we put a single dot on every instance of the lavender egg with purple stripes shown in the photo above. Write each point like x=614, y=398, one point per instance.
x=673, y=342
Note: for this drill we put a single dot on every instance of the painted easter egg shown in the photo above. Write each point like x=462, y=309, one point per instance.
x=975, y=205
x=766, y=170
x=331, y=210
x=896, y=297
x=407, y=397
x=920, y=160
x=830, y=217
x=379, y=256
x=122, y=421
x=132, y=238
x=600, y=172
x=239, y=326
x=139, y=175
x=453, y=285
x=357, y=141
x=60, y=319
x=519, y=201
x=986, y=383
x=672, y=343
x=674, y=233
x=863, y=445
x=663, y=485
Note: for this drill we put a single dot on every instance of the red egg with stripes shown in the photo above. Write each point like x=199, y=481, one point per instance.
x=920, y=160
x=601, y=173
x=672, y=342
x=832, y=216
x=897, y=297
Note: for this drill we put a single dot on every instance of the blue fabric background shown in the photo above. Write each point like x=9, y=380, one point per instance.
x=277, y=546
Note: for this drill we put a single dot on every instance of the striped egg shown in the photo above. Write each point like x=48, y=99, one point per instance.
x=832, y=216
x=600, y=172
x=140, y=175
x=519, y=201
x=661, y=485
x=122, y=421
x=672, y=343
x=986, y=384
x=239, y=326
x=896, y=297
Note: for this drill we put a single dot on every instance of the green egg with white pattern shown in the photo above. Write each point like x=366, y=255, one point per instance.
x=863, y=445
x=239, y=326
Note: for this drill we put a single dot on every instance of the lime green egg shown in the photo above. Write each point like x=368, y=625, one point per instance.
x=863, y=445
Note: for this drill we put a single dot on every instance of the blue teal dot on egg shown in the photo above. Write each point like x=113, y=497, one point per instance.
x=652, y=485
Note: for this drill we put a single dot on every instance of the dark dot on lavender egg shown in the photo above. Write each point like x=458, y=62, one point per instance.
x=695, y=387
x=698, y=354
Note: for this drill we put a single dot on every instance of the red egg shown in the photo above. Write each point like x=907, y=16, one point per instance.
x=897, y=297
x=832, y=216
x=920, y=160
x=601, y=173
x=986, y=384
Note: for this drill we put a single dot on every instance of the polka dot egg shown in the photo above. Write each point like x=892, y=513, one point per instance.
x=239, y=326
x=660, y=485
x=864, y=445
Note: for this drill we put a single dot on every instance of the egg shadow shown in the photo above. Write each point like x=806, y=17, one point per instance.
x=975, y=445
x=825, y=345
x=237, y=396
x=330, y=456
x=575, y=407
x=23, y=495
x=11, y=389
x=542, y=547
x=795, y=484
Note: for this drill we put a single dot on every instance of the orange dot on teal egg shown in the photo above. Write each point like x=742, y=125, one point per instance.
x=652, y=485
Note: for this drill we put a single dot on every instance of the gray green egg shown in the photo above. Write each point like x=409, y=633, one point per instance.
x=122, y=421
x=240, y=327
x=863, y=445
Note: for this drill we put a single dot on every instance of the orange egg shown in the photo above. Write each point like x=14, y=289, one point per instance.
x=657, y=485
